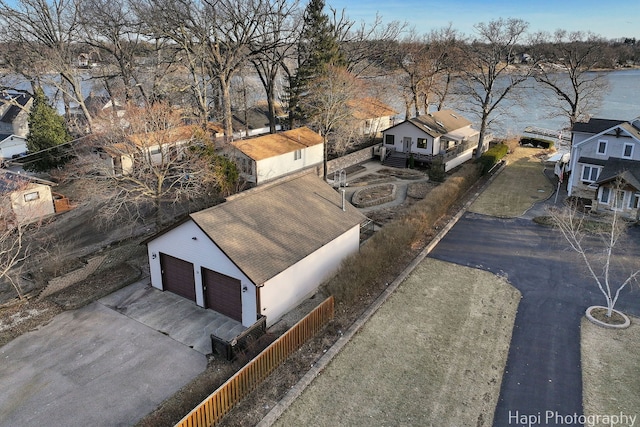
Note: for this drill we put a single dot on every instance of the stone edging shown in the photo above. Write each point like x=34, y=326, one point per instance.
x=326, y=358
x=595, y=321
x=355, y=199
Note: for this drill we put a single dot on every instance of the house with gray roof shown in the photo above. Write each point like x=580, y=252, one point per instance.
x=605, y=165
x=14, y=113
x=443, y=135
x=261, y=252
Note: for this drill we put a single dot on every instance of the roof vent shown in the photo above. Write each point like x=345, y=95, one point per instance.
x=428, y=128
x=454, y=116
x=440, y=124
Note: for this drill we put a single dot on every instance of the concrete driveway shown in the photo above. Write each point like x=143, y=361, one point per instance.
x=99, y=367
x=543, y=371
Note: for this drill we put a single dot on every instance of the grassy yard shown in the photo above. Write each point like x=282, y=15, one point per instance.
x=610, y=360
x=517, y=188
x=433, y=354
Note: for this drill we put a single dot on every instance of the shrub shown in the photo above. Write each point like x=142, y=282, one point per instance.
x=492, y=156
x=436, y=171
x=386, y=251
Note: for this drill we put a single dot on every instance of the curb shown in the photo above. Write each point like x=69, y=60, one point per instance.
x=326, y=358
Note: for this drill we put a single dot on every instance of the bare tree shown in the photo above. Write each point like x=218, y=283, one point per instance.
x=488, y=78
x=15, y=246
x=114, y=30
x=327, y=102
x=220, y=32
x=274, y=47
x=145, y=166
x=46, y=33
x=599, y=245
x=567, y=67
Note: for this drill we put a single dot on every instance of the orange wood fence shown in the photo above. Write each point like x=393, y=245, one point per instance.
x=221, y=401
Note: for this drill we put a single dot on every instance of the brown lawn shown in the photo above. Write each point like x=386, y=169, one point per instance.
x=520, y=185
x=433, y=354
x=610, y=360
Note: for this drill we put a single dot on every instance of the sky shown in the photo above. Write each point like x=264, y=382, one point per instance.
x=611, y=19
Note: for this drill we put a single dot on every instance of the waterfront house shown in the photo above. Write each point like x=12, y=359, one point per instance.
x=605, y=165
x=442, y=135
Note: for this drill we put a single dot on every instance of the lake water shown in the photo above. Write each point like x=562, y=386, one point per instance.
x=622, y=102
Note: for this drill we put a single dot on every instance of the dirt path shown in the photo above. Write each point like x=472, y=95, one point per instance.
x=418, y=361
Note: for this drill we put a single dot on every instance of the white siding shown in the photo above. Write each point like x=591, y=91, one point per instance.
x=277, y=166
x=32, y=203
x=460, y=159
x=405, y=130
x=12, y=146
x=286, y=290
x=202, y=252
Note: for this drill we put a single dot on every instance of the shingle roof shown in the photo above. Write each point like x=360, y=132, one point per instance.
x=370, y=108
x=11, y=181
x=440, y=122
x=595, y=125
x=628, y=170
x=276, y=144
x=267, y=229
x=13, y=111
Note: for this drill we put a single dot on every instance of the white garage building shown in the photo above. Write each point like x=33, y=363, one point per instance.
x=261, y=252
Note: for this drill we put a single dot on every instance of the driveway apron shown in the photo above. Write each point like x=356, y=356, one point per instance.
x=543, y=376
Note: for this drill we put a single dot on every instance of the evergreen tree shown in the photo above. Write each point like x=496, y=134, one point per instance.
x=47, y=130
x=318, y=48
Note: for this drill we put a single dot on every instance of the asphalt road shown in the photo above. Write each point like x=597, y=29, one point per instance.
x=543, y=371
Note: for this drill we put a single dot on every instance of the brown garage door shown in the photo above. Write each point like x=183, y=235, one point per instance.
x=177, y=276
x=222, y=294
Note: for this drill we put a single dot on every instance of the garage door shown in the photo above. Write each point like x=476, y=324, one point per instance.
x=222, y=294
x=177, y=276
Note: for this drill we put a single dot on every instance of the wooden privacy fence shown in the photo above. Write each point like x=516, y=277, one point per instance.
x=221, y=401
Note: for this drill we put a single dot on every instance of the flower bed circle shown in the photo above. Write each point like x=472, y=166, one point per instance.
x=597, y=314
x=374, y=195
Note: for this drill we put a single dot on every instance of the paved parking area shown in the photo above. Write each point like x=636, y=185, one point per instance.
x=98, y=366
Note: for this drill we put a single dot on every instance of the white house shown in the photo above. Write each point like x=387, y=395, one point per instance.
x=155, y=148
x=14, y=113
x=12, y=145
x=605, y=165
x=261, y=252
x=268, y=157
x=443, y=135
x=373, y=116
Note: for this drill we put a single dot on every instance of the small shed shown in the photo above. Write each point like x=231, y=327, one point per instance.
x=28, y=198
x=261, y=252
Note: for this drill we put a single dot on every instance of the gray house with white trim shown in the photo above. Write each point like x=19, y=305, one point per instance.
x=605, y=165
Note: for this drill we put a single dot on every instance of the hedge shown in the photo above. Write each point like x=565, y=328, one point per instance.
x=387, y=250
x=492, y=156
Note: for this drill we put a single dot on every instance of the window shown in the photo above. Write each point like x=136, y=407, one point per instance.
x=634, y=201
x=297, y=155
x=29, y=197
x=590, y=173
x=422, y=143
x=627, y=153
x=604, y=195
x=389, y=139
x=602, y=147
